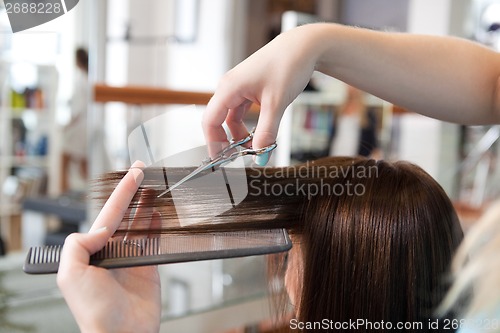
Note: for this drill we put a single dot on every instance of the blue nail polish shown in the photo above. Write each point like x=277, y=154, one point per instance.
x=262, y=159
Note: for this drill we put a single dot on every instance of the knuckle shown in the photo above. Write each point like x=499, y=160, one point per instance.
x=71, y=238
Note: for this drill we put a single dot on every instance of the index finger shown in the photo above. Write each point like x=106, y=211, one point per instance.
x=213, y=118
x=115, y=207
x=216, y=114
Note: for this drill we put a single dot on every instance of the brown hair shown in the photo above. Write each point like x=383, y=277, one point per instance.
x=382, y=255
x=82, y=59
x=378, y=253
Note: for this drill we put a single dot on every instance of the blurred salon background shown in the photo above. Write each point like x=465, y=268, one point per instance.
x=73, y=89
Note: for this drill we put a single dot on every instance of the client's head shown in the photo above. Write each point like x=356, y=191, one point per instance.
x=377, y=253
x=373, y=240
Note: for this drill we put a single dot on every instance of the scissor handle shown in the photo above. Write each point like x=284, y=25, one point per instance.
x=259, y=151
x=244, y=140
x=234, y=144
x=244, y=152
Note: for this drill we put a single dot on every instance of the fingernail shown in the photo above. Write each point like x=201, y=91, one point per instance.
x=136, y=171
x=98, y=230
x=261, y=159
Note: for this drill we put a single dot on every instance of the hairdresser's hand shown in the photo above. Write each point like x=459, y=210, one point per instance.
x=116, y=300
x=373, y=61
x=272, y=78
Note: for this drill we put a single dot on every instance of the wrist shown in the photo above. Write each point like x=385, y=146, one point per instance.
x=321, y=42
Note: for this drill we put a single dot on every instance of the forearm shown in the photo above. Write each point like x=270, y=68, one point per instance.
x=441, y=77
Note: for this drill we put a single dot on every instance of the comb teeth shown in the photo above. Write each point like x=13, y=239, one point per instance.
x=167, y=249
x=43, y=259
x=119, y=253
x=128, y=249
x=116, y=253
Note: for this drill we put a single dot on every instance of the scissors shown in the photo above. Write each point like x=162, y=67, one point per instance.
x=223, y=157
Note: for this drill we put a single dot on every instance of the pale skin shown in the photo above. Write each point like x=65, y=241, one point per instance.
x=441, y=77
x=445, y=78
x=118, y=300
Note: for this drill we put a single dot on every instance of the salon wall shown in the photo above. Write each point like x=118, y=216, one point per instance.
x=199, y=65
x=159, y=53
x=437, y=17
x=378, y=14
x=430, y=143
x=146, y=45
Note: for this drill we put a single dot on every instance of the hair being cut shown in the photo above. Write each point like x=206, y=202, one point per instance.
x=380, y=254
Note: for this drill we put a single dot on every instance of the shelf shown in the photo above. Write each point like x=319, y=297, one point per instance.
x=27, y=124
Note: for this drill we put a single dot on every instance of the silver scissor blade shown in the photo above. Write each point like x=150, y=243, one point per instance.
x=214, y=164
x=193, y=174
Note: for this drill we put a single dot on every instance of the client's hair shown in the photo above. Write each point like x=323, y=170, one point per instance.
x=377, y=238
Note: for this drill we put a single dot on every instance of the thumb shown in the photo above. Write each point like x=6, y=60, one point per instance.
x=79, y=247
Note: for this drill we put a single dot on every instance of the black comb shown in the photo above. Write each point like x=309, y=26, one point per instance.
x=166, y=249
